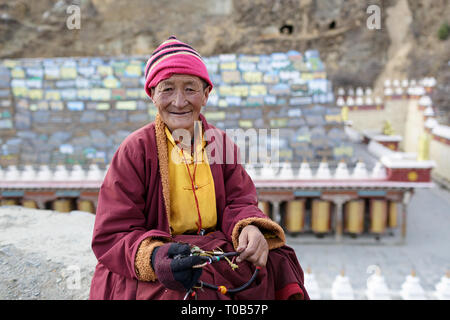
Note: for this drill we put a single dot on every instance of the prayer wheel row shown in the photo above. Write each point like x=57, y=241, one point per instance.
x=60, y=205
x=67, y=205
x=382, y=214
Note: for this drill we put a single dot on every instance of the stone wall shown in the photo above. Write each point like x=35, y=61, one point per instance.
x=78, y=110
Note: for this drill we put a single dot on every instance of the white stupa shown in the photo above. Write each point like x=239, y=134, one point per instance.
x=341, y=91
x=305, y=172
x=432, y=82
x=287, y=172
x=368, y=91
x=425, y=101
x=429, y=82
x=398, y=91
x=12, y=173
x=430, y=123
x=350, y=101
x=429, y=112
x=77, y=173
x=340, y=102
x=61, y=173
x=443, y=287
x=359, y=91
x=411, y=288
x=378, y=171
x=341, y=288
x=28, y=173
x=368, y=101
x=405, y=83
x=419, y=91
x=359, y=101
x=341, y=172
x=44, y=173
x=378, y=101
x=387, y=83
x=267, y=171
x=360, y=171
x=323, y=173
x=94, y=173
x=311, y=285
x=377, y=288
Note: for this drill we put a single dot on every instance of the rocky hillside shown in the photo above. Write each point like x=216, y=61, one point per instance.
x=406, y=45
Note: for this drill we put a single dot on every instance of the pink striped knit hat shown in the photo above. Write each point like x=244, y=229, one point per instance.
x=173, y=57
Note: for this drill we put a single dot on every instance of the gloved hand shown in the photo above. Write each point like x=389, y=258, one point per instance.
x=173, y=266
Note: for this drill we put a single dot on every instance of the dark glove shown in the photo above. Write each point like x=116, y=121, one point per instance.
x=173, y=266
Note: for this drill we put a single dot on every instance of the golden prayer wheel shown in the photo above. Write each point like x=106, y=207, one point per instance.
x=320, y=217
x=62, y=205
x=85, y=205
x=9, y=202
x=295, y=216
x=354, y=216
x=393, y=214
x=378, y=215
x=29, y=204
x=264, y=206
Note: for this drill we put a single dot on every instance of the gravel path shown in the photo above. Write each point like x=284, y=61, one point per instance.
x=45, y=254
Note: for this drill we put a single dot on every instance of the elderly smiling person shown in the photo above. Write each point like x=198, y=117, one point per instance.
x=164, y=197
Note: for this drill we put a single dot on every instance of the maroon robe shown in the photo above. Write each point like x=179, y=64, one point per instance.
x=131, y=208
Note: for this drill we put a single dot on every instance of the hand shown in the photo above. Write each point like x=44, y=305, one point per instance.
x=253, y=246
x=173, y=266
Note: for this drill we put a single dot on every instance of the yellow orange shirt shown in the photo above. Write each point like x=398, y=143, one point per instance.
x=183, y=209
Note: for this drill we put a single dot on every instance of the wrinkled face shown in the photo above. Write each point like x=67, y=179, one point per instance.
x=179, y=100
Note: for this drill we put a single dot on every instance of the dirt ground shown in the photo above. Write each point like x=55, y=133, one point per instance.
x=45, y=255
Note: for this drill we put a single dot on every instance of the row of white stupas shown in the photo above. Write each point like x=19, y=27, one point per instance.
x=341, y=101
x=388, y=83
x=410, y=87
x=431, y=122
x=427, y=82
x=377, y=288
x=285, y=171
x=279, y=171
x=359, y=96
x=359, y=92
x=363, y=98
x=44, y=173
x=358, y=101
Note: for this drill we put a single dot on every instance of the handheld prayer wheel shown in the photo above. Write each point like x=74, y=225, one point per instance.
x=264, y=206
x=393, y=214
x=86, y=206
x=295, y=216
x=29, y=204
x=320, y=217
x=354, y=217
x=62, y=205
x=378, y=215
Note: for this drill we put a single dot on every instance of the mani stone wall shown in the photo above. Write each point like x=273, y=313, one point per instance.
x=79, y=110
